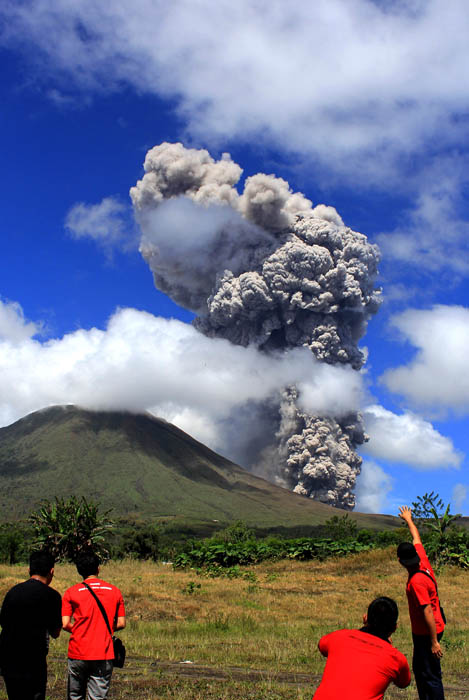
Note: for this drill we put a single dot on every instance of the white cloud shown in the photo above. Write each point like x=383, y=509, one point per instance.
x=141, y=362
x=434, y=233
x=458, y=497
x=107, y=223
x=333, y=390
x=14, y=328
x=348, y=80
x=64, y=101
x=407, y=439
x=437, y=376
x=373, y=485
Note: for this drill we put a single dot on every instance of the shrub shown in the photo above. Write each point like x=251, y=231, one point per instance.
x=141, y=541
x=15, y=539
x=341, y=528
x=212, y=553
x=452, y=547
x=235, y=533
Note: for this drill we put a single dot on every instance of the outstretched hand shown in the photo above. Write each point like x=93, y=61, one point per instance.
x=405, y=513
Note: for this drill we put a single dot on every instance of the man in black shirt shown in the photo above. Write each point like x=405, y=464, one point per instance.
x=31, y=611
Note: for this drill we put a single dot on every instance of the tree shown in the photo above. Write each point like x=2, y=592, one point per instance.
x=341, y=528
x=430, y=512
x=445, y=543
x=236, y=533
x=67, y=527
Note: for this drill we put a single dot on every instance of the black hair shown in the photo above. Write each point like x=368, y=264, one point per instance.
x=41, y=563
x=87, y=564
x=382, y=617
x=407, y=554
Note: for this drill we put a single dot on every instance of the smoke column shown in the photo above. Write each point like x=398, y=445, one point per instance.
x=265, y=268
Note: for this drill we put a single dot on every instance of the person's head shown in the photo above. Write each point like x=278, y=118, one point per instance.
x=407, y=555
x=381, y=617
x=42, y=564
x=87, y=564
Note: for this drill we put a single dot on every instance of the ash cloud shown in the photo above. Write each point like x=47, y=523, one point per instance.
x=266, y=269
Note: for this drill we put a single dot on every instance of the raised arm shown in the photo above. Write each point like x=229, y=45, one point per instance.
x=406, y=514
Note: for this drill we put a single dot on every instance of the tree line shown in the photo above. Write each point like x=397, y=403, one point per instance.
x=66, y=527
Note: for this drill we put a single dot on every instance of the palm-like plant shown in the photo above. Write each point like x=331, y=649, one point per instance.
x=430, y=511
x=67, y=527
x=443, y=545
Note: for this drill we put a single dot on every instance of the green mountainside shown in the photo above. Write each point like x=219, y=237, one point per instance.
x=141, y=467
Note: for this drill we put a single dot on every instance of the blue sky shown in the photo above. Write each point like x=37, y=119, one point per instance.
x=359, y=105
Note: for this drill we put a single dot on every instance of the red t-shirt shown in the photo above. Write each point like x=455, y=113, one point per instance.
x=421, y=591
x=359, y=666
x=90, y=638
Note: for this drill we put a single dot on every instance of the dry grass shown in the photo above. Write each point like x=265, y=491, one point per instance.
x=253, y=638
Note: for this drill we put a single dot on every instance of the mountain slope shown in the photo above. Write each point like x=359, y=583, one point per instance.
x=140, y=466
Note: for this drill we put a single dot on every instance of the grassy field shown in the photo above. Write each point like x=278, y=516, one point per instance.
x=254, y=637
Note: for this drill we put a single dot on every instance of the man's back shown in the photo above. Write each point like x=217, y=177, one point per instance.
x=421, y=590
x=90, y=639
x=359, y=666
x=29, y=612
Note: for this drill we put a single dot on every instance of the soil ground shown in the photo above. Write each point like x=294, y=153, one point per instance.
x=157, y=680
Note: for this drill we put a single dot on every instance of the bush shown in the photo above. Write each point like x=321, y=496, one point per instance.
x=235, y=533
x=214, y=553
x=15, y=541
x=140, y=541
x=341, y=528
x=452, y=547
x=381, y=538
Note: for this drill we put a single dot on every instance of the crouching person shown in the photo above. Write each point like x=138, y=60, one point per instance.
x=90, y=650
x=362, y=663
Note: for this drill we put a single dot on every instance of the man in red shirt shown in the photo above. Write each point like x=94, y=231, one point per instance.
x=90, y=650
x=425, y=613
x=362, y=663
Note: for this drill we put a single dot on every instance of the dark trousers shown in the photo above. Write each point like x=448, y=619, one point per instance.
x=29, y=684
x=89, y=680
x=427, y=669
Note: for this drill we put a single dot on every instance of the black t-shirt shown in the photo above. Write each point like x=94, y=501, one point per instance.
x=30, y=611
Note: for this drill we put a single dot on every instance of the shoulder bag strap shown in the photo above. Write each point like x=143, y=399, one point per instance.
x=100, y=606
x=425, y=573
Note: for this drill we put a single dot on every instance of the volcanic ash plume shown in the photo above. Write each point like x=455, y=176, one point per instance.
x=265, y=268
